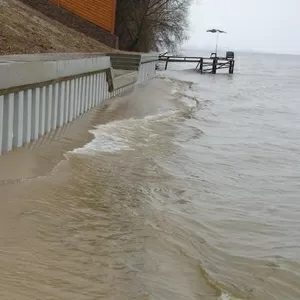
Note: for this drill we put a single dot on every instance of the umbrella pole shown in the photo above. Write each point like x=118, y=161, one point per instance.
x=217, y=44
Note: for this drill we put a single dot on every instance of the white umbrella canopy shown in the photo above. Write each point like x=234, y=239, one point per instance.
x=217, y=31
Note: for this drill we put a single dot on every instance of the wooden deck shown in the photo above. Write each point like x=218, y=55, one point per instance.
x=204, y=64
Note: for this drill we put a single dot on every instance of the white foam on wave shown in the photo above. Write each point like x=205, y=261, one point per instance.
x=123, y=134
x=225, y=296
x=185, y=94
x=109, y=137
x=190, y=99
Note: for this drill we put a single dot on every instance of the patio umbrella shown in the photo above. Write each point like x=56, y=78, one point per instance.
x=217, y=31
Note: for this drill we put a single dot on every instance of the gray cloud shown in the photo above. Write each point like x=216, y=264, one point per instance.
x=258, y=25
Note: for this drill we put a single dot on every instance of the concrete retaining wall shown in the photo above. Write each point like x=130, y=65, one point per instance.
x=37, y=96
x=125, y=61
x=147, y=67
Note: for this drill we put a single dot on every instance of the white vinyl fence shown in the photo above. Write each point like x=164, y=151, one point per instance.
x=37, y=97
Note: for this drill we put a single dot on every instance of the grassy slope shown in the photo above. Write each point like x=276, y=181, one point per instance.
x=25, y=30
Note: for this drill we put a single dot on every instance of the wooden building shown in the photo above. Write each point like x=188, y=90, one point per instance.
x=99, y=12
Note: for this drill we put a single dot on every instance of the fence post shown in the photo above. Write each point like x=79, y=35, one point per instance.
x=231, y=67
x=201, y=65
x=167, y=61
x=214, y=66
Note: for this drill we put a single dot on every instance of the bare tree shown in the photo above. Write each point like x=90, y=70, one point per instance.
x=144, y=25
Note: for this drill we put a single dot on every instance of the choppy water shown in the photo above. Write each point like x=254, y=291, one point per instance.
x=189, y=190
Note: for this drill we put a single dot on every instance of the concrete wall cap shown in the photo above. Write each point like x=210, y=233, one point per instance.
x=17, y=73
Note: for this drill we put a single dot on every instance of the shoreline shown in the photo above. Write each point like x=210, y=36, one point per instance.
x=41, y=93
x=40, y=157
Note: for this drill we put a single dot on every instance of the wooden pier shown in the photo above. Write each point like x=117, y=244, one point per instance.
x=204, y=64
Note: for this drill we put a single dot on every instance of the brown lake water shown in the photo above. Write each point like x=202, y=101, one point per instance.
x=185, y=188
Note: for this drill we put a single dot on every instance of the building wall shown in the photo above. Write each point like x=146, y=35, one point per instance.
x=99, y=12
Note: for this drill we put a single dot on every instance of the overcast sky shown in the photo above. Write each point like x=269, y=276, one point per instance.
x=259, y=25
